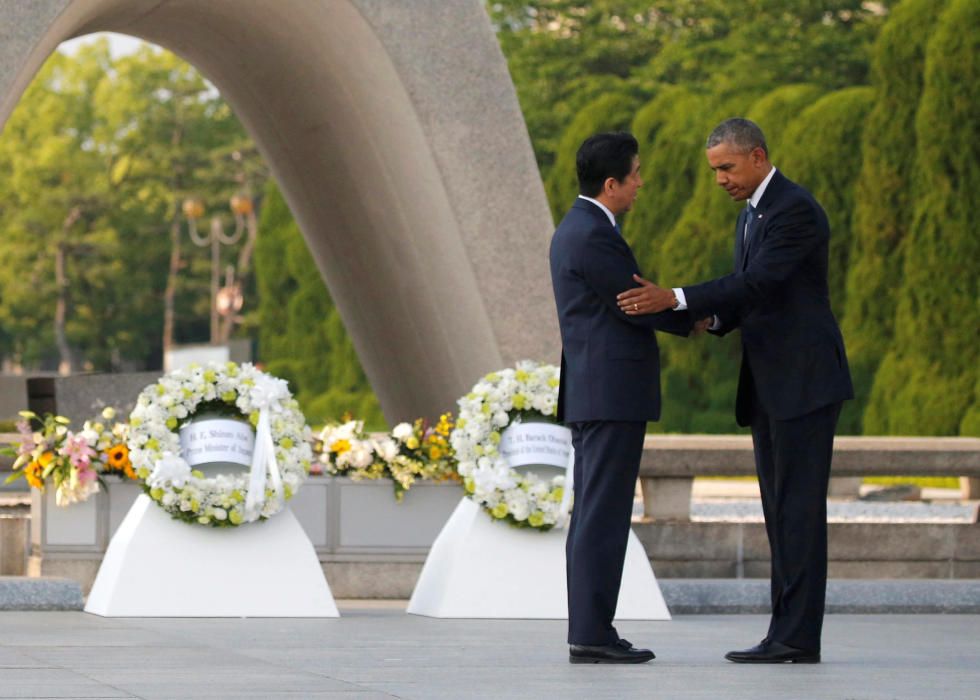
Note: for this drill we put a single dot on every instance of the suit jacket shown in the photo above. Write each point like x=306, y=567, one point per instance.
x=610, y=366
x=792, y=347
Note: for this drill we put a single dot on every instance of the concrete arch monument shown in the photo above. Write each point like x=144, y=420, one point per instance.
x=395, y=134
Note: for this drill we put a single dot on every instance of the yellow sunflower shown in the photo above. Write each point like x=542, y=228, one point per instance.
x=119, y=457
x=32, y=472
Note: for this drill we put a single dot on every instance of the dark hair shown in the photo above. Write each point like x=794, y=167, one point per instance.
x=603, y=156
x=741, y=133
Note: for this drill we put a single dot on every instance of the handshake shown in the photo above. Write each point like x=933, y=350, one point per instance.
x=648, y=298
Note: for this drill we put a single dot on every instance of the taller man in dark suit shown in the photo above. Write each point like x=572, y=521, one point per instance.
x=794, y=375
x=610, y=388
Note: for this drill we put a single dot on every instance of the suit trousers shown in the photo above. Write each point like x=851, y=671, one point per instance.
x=607, y=463
x=792, y=458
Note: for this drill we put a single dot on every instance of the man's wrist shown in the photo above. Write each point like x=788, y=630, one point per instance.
x=680, y=302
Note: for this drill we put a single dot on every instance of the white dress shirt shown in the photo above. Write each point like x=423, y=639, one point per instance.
x=753, y=202
x=612, y=219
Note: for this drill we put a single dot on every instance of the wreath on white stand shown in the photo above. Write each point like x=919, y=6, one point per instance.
x=280, y=460
x=527, y=393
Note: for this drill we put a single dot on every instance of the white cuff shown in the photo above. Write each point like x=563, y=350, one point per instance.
x=681, y=299
x=715, y=323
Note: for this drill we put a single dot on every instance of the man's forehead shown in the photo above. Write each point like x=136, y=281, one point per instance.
x=723, y=152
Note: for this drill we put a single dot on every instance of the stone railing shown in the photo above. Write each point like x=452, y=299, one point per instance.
x=671, y=462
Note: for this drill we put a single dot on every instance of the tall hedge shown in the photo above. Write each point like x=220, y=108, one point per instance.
x=670, y=129
x=883, y=197
x=301, y=336
x=927, y=383
x=611, y=112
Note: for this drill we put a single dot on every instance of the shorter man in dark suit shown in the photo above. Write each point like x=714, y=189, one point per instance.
x=794, y=375
x=610, y=388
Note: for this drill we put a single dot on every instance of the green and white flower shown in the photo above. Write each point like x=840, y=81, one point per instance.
x=527, y=392
x=236, y=390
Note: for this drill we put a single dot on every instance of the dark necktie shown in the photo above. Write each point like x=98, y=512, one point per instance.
x=618, y=229
x=749, y=214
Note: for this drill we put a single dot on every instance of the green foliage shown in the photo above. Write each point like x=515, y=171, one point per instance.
x=730, y=47
x=671, y=130
x=883, y=197
x=98, y=156
x=563, y=54
x=302, y=338
x=47, y=199
x=927, y=383
x=611, y=112
x=970, y=425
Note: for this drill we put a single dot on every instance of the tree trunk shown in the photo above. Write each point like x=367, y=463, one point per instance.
x=61, y=303
x=171, y=290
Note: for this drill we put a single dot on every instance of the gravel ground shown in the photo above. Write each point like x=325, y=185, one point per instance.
x=750, y=510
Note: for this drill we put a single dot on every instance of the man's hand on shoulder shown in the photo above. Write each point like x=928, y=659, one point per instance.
x=648, y=298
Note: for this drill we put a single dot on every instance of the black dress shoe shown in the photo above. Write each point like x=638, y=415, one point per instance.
x=621, y=652
x=773, y=653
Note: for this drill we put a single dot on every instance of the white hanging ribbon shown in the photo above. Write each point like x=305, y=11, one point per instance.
x=265, y=392
x=263, y=464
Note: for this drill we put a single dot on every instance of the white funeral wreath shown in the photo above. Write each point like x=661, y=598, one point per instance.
x=282, y=452
x=527, y=392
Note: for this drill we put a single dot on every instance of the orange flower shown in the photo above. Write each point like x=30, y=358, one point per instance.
x=118, y=457
x=118, y=460
x=32, y=472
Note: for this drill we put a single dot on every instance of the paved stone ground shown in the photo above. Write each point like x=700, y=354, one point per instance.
x=375, y=651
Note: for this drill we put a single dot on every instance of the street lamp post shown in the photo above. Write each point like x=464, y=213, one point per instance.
x=228, y=300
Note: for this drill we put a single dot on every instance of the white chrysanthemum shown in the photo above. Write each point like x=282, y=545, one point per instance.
x=174, y=397
x=402, y=431
x=484, y=413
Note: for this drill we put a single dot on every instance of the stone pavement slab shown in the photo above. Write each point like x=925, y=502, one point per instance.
x=377, y=651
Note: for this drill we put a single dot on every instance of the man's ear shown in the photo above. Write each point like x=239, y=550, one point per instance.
x=609, y=184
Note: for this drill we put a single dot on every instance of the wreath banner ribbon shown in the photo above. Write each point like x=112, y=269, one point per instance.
x=263, y=464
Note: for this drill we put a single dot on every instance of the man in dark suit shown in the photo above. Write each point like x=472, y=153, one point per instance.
x=794, y=374
x=610, y=388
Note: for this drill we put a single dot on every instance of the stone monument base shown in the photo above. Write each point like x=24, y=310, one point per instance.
x=479, y=568
x=158, y=567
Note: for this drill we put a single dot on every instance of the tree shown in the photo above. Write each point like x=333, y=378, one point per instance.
x=563, y=54
x=101, y=154
x=731, y=47
x=883, y=195
x=301, y=336
x=926, y=383
x=171, y=138
x=671, y=129
x=54, y=198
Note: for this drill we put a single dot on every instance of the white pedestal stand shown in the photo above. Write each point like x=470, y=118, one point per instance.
x=158, y=567
x=479, y=568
